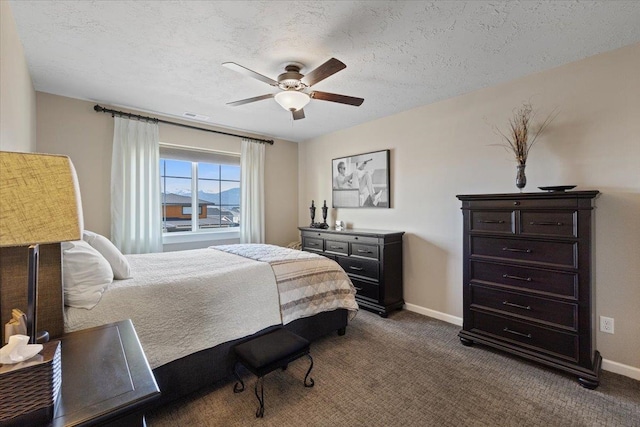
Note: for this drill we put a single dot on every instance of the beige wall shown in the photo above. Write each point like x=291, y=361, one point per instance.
x=17, y=96
x=70, y=126
x=444, y=149
x=437, y=151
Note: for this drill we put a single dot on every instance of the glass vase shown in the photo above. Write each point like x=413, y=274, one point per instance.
x=521, y=178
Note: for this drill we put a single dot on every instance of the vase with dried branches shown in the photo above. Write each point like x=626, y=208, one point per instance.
x=521, y=136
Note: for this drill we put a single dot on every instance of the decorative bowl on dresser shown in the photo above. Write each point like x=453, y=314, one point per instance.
x=527, y=278
x=371, y=258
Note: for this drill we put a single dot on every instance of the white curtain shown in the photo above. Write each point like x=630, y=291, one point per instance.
x=136, y=222
x=252, y=192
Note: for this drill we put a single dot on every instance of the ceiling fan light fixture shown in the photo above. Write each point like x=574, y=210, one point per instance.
x=292, y=100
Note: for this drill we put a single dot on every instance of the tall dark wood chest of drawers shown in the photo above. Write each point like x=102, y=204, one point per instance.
x=371, y=258
x=527, y=278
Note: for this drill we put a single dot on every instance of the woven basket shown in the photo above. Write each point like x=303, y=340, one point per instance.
x=29, y=390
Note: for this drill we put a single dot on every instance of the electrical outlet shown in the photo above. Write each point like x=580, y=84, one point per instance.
x=606, y=324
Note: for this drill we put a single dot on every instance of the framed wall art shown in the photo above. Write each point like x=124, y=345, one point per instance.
x=361, y=181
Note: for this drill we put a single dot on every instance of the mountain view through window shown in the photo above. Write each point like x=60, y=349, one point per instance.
x=217, y=190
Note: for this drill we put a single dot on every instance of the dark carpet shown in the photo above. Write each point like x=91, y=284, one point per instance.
x=410, y=370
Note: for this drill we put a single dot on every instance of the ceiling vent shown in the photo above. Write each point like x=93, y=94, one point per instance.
x=194, y=116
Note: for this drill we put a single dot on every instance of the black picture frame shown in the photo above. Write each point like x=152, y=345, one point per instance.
x=363, y=174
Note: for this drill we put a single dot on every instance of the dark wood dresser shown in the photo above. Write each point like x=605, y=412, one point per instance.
x=527, y=278
x=371, y=258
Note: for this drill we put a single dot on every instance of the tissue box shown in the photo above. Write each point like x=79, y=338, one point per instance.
x=29, y=390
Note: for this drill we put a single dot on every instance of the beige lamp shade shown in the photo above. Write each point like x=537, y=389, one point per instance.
x=39, y=199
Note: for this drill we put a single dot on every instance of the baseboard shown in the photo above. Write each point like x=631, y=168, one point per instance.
x=435, y=314
x=607, y=365
x=619, y=368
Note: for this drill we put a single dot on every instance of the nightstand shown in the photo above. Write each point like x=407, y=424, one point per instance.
x=106, y=379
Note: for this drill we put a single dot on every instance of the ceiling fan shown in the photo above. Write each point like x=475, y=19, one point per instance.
x=294, y=95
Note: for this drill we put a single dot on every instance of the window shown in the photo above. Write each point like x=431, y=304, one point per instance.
x=206, y=179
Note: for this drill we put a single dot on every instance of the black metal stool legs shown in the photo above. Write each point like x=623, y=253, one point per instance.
x=240, y=383
x=311, y=383
x=260, y=410
x=238, y=387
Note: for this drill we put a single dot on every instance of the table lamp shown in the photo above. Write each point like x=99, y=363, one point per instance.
x=39, y=203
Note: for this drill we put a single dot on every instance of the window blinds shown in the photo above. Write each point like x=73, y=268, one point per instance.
x=192, y=154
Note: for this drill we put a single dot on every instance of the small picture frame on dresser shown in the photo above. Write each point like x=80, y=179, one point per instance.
x=361, y=180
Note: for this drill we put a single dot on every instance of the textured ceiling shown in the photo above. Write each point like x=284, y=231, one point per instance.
x=166, y=56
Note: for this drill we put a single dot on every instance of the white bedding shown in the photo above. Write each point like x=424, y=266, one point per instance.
x=210, y=306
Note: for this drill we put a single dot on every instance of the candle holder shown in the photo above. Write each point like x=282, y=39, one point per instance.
x=312, y=212
x=324, y=215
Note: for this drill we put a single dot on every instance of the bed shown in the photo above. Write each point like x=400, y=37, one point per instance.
x=190, y=307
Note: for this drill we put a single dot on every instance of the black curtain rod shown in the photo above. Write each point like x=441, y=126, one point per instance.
x=100, y=109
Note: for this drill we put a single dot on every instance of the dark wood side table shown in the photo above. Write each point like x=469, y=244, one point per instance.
x=106, y=379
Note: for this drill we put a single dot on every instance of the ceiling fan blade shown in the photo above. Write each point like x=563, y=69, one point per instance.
x=247, y=72
x=334, y=97
x=327, y=69
x=248, y=100
x=297, y=115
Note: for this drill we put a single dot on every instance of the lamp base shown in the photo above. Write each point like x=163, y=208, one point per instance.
x=42, y=337
x=29, y=390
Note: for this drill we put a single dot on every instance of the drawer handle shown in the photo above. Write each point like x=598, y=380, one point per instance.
x=351, y=267
x=357, y=288
x=312, y=244
x=362, y=251
x=490, y=221
x=546, y=223
x=510, y=304
x=337, y=247
x=508, y=276
x=528, y=251
x=517, y=333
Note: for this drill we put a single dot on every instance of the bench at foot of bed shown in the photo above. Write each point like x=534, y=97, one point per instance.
x=266, y=353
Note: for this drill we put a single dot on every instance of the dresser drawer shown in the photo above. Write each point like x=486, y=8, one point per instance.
x=360, y=239
x=367, y=251
x=493, y=221
x=553, y=253
x=316, y=234
x=558, y=344
x=312, y=244
x=569, y=202
x=360, y=267
x=549, y=223
x=545, y=282
x=336, y=247
x=367, y=290
x=541, y=310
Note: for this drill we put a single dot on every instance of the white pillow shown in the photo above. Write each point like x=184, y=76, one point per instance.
x=85, y=274
x=118, y=262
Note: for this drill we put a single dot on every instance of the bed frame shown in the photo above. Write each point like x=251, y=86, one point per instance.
x=175, y=379
x=214, y=365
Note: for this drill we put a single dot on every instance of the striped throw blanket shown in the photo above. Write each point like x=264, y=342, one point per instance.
x=307, y=283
